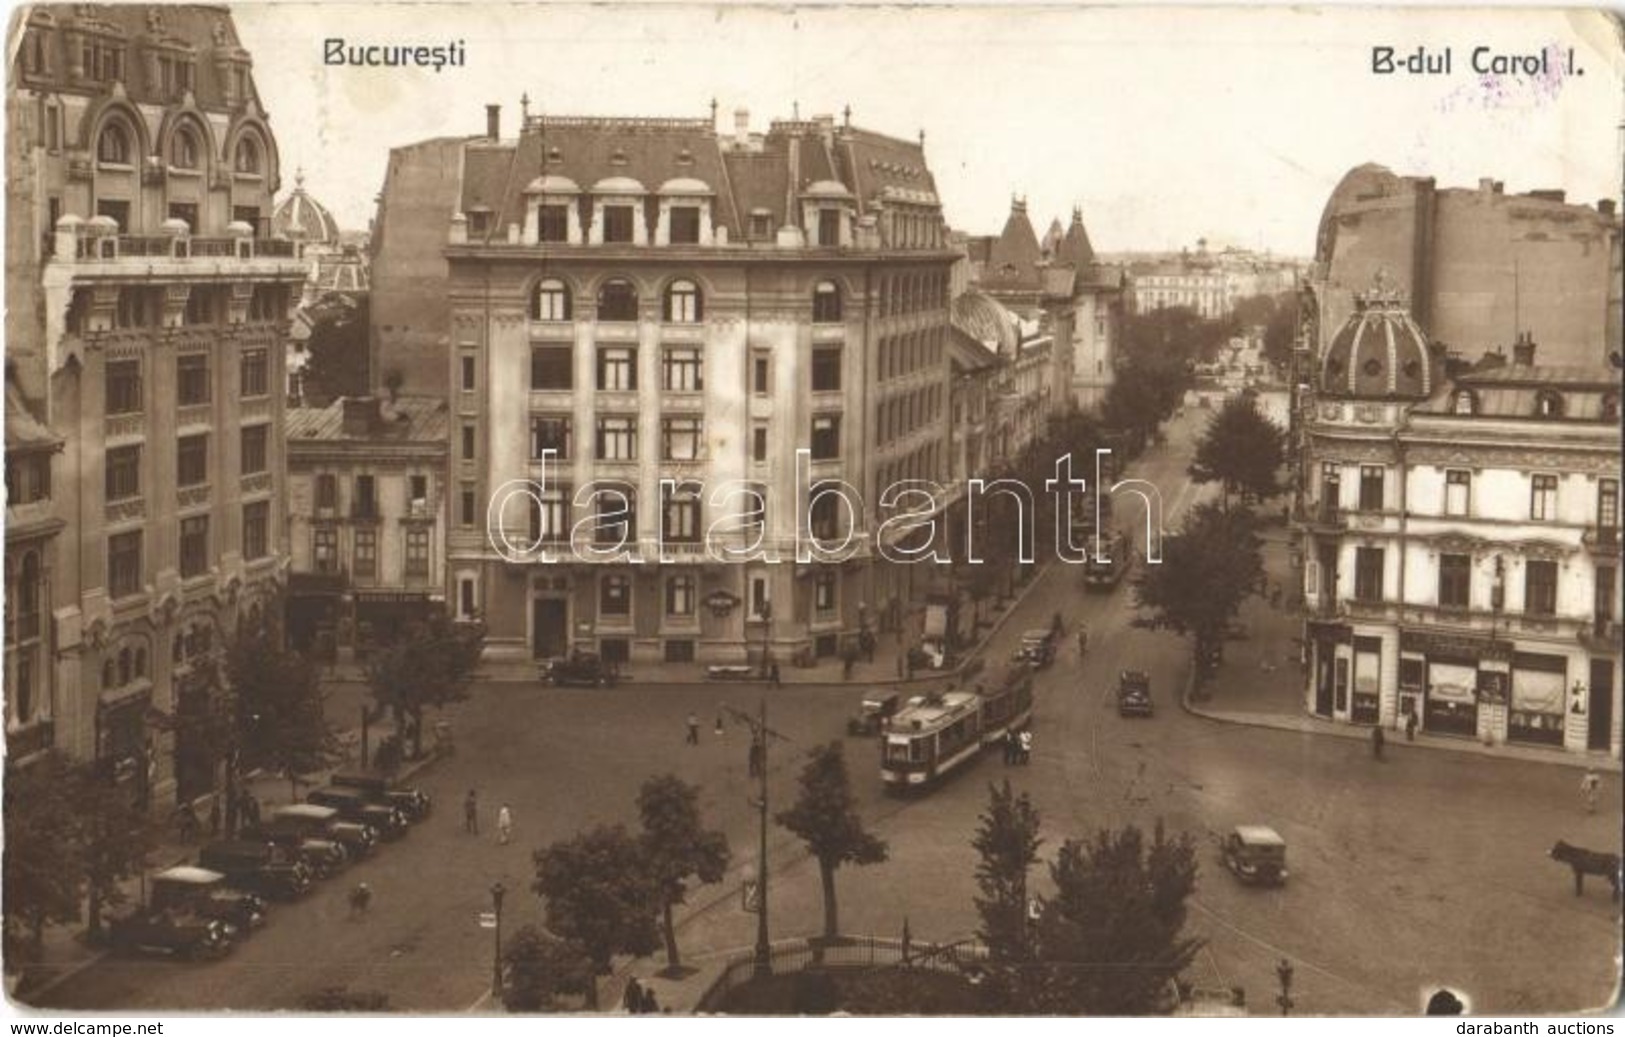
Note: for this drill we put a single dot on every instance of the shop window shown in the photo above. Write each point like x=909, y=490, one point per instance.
x=1539, y=684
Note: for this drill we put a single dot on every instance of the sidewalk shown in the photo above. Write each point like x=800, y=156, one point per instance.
x=1261, y=683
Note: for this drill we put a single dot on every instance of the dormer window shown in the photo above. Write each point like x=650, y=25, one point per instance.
x=1549, y=405
x=618, y=224
x=553, y=223
x=685, y=225
x=829, y=228
x=1465, y=403
x=113, y=146
x=761, y=225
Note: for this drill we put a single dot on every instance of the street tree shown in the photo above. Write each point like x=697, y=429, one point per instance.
x=279, y=720
x=1006, y=845
x=432, y=664
x=116, y=839
x=1281, y=333
x=538, y=969
x=338, y=348
x=1112, y=937
x=677, y=848
x=600, y=894
x=44, y=871
x=825, y=816
x=1242, y=451
x=1208, y=569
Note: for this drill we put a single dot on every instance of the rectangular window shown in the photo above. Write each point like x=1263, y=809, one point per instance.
x=617, y=515
x=1607, y=503
x=364, y=559
x=550, y=519
x=327, y=492
x=194, y=545
x=192, y=460
x=324, y=549
x=465, y=507
x=255, y=444
x=618, y=224
x=682, y=370
x=366, y=497
x=467, y=365
x=615, y=596
x=617, y=369
x=829, y=227
x=824, y=591
x=681, y=592
x=1331, y=488
x=618, y=439
x=417, y=491
x=758, y=444
x=1603, y=606
x=553, y=223
x=468, y=443
x=681, y=439
x=123, y=387
x=192, y=379
x=1371, y=479
x=759, y=602
x=1543, y=497
x=759, y=376
x=679, y=517
x=550, y=433
x=826, y=369
x=124, y=564
x=761, y=225
x=826, y=437
x=685, y=225
x=1458, y=487
x=1368, y=574
x=254, y=371
x=551, y=367
x=256, y=529
x=123, y=473
x=417, y=553
x=824, y=512
x=1455, y=580
x=466, y=606
x=1540, y=588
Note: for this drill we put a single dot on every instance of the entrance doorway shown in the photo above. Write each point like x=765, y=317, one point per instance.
x=1324, y=651
x=550, y=628
x=1600, y=706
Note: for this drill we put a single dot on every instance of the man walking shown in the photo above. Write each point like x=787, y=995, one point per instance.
x=1410, y=725
x=756, y=758
x=1026, y=747
x=471, y=813
x=693, y=729
x=1590, y=787
x=504, y=824
x=1377, y=739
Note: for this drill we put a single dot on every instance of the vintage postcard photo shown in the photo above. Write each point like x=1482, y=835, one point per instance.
x=827, y=510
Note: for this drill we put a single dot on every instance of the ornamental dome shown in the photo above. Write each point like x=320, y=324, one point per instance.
x=299, y=217
x=1379, y=354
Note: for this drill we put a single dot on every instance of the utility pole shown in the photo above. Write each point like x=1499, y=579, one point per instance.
x=760, y=733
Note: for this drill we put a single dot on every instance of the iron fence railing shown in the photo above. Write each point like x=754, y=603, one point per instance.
x=854, y=952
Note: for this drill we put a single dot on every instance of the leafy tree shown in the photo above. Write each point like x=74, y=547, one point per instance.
x=538, y=968
x=115, y=839
x=825, y=816
x=1208, y=569
x=1007, y=844
x=431, y=665
x=1281, y=333
x=43, y=869
x=600, y=894
x=1112, y=937
x=338, y=347
x=279, y=717
x=1253, y=311
x=1242, y=451
x=676, y=847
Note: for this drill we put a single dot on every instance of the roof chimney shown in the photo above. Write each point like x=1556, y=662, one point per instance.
x=1523, y=350
x=741, y=124
x=1605, y=206
x=493, y=121
x=360, y=416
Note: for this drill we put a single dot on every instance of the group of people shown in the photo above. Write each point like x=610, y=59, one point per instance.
x=1018, y=747
x=471, y=818
x=638, y=999
x=190, y=828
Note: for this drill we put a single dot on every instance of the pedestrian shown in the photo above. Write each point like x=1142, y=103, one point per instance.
x=471, y=813
x=214, y=817
x=650, y=1005
x=718, y=729
x=849, y=659
x=1009, y=748
x=1026, y=747
x=632, y=997
x=773, y=674
x=504, y=824
x=1410, y=724
x=1083, y=640
x=756, y=758
x=1055, y=624
x=360, y=900
x=1377, y=739
x=1590, y=787
x=866, y=641
x=693, y=729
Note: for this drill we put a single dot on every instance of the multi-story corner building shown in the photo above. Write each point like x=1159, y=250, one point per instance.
x=366, y=518
x=678, y=337
x=32, y=529
x=1460, y=539
x=146, y=311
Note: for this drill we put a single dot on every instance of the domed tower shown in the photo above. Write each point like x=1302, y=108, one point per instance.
x=299, y=217
x=1380, y=354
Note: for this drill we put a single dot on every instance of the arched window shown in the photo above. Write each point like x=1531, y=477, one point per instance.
x=618, y=300
x=109, y=676
x=826, y=303
x=1465, y=402
x=247, y=159
x=140, y=663
x=683, y=303
x=1549, y=404
x=183, y=150
x=126, y=666
x=113, y=146
x=550, y=300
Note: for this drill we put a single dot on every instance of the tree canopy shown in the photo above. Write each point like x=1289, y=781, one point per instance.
x=1208, y=569
x=538, y=968
x=1242, y=451
x=279, y=711
x=677, y=847
x=339, y=350
x=1006, y=845
x=825, y=816
x=601, y=895
x=433, y=664
x=44, y=870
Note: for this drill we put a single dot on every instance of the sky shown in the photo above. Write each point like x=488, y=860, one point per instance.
x=1165, y=125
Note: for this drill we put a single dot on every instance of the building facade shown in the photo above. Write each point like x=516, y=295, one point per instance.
x=32, y=528
x=1460, y=540
x=664, y=343
x=146, y=315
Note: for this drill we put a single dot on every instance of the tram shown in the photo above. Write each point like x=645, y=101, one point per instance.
x=1109, y=558
x=936, y=734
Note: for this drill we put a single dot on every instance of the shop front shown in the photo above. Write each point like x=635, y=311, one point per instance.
x=314, y=614
x=1329, y=674
x=1539, y=686
x=1367, y=702
x=1460, y=676
x=386, y=617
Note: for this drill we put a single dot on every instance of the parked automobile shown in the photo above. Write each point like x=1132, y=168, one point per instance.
x=205, y=893
x=1134, y=694
x=874, y=713
x=180, y=934
x=260, y=867
x=312, y=821
x=357, y=807
x=1037, y=648
x=583, y=669
x=413, y=802
x=320, y=851
x=1256, y=855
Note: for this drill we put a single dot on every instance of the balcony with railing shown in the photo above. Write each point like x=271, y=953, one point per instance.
x=1601, y=540
x=1322, y=516
x=96, y=245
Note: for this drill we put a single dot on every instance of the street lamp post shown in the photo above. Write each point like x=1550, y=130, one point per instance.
x=760, y=733
x=1283, y=972
x=497, y=891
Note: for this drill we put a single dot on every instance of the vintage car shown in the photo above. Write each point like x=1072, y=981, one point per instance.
x=1037, y=648
x=583, y=669
x=1256, y=855
x=310, y=821
x=412, y=802
x=205, y=893
x=182, y=934
x=733, y=672
x=874, y=713
x=259, y=867
x=320, y=852
x=357, y=807
x=1134, y=694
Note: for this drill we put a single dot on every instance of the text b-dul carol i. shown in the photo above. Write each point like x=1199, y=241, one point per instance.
x=1443, y=61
